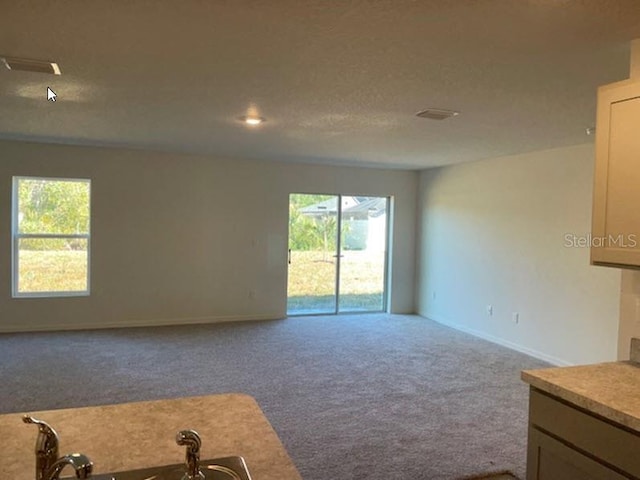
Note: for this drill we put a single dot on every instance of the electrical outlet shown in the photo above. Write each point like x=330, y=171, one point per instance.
x=252, y=294
x=515, y=316
x=490, y=310
x=433, y=295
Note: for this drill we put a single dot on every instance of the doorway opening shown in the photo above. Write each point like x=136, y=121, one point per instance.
x=338, y=258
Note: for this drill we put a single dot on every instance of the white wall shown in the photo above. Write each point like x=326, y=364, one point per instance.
x=493, y=232
x=629, y=312
x=181, y=239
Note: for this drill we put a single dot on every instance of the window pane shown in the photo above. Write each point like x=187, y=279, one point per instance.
x=53, y=206
x=52, y=265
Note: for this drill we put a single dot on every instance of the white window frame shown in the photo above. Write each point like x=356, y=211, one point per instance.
x=17, y=236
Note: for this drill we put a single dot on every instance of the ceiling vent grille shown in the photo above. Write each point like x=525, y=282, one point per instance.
x=437, y=114
x=26, y=65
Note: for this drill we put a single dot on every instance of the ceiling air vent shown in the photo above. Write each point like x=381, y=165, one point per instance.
x=437, y=113
x=26, y=65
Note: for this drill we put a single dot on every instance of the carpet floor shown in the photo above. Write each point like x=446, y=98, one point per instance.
x=352, y=397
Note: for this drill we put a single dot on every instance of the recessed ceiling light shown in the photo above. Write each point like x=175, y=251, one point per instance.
x=437, y=113
x=252, y=120
x=27, y=65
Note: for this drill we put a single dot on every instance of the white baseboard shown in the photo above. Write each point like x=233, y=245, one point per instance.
x=160, y=322
x=500, y=341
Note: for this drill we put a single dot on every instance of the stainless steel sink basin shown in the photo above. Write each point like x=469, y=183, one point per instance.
x=227, y=468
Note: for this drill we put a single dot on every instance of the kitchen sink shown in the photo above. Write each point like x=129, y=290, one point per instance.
x=227, y=468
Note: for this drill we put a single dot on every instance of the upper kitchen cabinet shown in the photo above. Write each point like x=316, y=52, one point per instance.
x=616, y=195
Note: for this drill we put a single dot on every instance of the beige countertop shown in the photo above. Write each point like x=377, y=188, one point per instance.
x=611, y=390
x=138, y=435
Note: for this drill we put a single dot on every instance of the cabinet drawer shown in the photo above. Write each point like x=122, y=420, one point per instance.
x=606, y=441
x=549, y=459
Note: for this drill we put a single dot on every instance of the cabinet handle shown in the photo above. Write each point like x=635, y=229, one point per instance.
x=289, y=256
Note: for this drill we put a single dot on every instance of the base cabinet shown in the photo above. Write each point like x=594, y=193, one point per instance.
x=568, y=443
x=550, y=459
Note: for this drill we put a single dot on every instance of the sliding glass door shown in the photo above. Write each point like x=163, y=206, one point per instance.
x=313, y=239
x=337, y=254
x=363, y=261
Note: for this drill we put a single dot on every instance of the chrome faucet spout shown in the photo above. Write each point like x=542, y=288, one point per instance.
x=48, y=465
x=80, y=463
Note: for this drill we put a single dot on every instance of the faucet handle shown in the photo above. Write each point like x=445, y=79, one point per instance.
x=191, y=440
x=41, y=423
x=46, y=446
x=47, y=440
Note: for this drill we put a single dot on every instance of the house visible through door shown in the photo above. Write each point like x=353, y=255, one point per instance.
x=337, y=254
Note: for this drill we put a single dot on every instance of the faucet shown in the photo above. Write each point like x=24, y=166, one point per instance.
x=48, y=465
x=80, y=463
x=46, y=446
x=191, y=440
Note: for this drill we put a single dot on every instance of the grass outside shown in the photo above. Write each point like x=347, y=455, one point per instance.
x=312, y=281
x=52, y=270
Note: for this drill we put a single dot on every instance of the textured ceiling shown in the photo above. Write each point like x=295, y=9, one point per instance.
x=339, y=82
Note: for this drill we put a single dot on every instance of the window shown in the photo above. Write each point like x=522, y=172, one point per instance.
x=51, y=236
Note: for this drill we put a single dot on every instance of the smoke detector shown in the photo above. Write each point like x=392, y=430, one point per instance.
x=437, y=113
x=27, y=65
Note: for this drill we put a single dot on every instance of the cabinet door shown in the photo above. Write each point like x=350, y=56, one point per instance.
x=616, y=200
x=549, y=459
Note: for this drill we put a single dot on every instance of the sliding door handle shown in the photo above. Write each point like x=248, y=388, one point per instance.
x=289, y=257
x=338, y=256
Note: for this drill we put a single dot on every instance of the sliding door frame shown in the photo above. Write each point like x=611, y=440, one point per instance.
x=338, y=255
